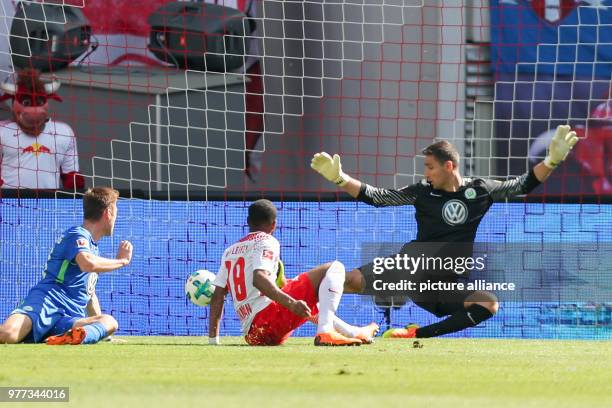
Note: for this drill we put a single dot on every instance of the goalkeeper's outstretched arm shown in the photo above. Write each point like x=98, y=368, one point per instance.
x=561, y=144
x=558, y=150
x=330, y=168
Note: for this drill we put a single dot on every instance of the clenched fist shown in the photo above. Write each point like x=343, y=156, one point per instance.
x=125, y=251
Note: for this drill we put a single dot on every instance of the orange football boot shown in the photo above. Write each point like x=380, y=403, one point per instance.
x=408, y=332
x=72, y=336
x=335, y=339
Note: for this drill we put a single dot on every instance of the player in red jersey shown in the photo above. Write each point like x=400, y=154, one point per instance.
x=268, y=314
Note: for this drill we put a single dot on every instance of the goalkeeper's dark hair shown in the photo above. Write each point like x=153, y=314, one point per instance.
x=443, y=151
x=96, y=200
x=262, y=213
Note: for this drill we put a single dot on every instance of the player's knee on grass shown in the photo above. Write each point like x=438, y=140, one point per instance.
x=9, y=334
x=15, y=329
x=485, y=299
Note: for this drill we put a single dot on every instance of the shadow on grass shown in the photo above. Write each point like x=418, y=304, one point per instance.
x=177, y=344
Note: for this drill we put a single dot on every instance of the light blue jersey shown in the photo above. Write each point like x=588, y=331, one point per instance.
x=61, y=296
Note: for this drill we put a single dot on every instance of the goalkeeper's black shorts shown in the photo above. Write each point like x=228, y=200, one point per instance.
x=441, y=302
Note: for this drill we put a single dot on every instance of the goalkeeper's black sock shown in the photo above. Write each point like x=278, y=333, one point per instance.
x=459, y=320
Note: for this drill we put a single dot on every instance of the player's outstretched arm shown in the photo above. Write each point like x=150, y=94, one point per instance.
x=561, y=144
x=216, y=311
x=270, y=290
x=331, y=168
x=89, y=262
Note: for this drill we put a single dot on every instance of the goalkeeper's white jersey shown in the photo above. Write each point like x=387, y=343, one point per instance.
x=257, y=250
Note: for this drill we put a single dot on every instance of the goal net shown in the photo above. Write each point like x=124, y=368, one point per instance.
x=372, y=80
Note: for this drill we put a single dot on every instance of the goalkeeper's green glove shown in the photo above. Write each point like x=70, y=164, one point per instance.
x=560, y=146
x=280, y=278
x=330, y=168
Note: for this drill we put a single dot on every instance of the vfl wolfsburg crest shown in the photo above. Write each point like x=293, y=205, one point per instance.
x=470, y=193
x=454, y=212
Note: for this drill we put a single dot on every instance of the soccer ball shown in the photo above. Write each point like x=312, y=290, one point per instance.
x=199, y=287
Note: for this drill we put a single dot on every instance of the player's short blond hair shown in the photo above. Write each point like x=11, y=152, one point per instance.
x=96, y=200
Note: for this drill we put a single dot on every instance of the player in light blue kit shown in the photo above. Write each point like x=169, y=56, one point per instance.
x=55, y=309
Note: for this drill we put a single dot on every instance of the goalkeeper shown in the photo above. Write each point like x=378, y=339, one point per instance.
x=449, y=209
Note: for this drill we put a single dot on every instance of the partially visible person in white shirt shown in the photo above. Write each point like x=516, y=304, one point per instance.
x=35, y=151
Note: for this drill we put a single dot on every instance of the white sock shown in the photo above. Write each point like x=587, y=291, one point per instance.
x=344, y=328
x=341, y=326
x=330, y=293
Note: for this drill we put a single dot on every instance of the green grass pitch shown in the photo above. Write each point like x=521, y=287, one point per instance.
x=172, y=372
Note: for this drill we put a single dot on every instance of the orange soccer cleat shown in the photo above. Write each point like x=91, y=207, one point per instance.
x=367, y=333
x=335, y=339
x=72, y=336
x=408, y=332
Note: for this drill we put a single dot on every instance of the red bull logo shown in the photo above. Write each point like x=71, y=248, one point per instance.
x=36, y=149
x=554, y=11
